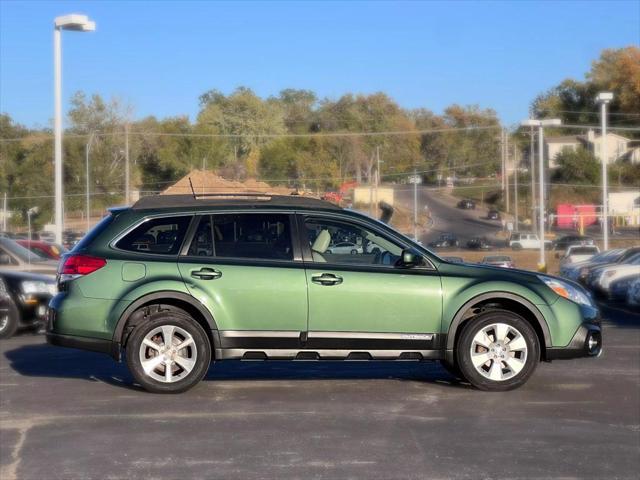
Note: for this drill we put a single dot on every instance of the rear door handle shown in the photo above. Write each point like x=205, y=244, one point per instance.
x=326, y=279
x=206, y=273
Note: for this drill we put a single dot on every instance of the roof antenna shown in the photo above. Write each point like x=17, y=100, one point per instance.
x=193, y=192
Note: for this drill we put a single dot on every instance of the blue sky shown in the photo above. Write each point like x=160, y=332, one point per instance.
x=160, y=56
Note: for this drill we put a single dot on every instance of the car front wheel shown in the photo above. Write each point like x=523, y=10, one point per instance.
x=498, y=351
x=168, y=353
x=9, y=319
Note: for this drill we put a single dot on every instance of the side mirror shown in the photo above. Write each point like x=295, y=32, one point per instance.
x=410, y=258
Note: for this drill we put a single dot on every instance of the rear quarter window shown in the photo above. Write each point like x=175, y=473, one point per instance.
x=162, y=236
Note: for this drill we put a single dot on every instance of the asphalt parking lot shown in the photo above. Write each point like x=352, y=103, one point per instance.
x=73, y=414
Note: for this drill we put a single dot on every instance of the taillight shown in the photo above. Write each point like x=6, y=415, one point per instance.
x=77, y=265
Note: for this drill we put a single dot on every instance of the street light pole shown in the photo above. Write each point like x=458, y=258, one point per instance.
x=57, y=128
x=532, y=168
x=542, y=266
x=73, y=22
x=604, y=98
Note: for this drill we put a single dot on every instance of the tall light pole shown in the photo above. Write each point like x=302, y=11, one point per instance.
x=532, y=169
x=550, y=122
x=78, y=23
x=604, y=98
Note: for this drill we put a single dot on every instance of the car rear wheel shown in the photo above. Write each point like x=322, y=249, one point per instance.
x=516, y=246
x=9, y=319
x=498, y=351
x=168, y=353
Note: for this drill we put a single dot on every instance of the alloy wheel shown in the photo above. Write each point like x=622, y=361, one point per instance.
x=168, y=353
x=498, y=352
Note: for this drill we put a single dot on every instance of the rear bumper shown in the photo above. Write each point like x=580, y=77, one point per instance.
x=586, y=342
x=85, y=343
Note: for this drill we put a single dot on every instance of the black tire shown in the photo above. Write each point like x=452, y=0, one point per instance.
x=354, y=252
x=173, y=317
x=12, y=319
x=517, y=246
x=452, y=369
x=464, y=345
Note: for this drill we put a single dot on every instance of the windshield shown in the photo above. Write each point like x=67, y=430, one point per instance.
x=24, y=254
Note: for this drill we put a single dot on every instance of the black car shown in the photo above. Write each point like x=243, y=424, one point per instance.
x=570, y=240
x=493, y=215
x=479, y=243
x=467, y=204
x=23, y=300
x=446, y=240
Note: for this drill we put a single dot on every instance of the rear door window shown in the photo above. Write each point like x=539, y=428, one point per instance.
x=162, y=236
x=263, y=236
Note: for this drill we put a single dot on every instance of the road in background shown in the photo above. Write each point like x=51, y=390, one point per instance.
x=446, y=217
x=67, y=413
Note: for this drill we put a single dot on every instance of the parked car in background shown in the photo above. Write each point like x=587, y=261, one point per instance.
x=453, y=259
x=46, y=236
x=70, y=238
x=578, y=253
x=23, y=300
x=525, y=241
x=345, y=247
x=467, y=204
x=601, y=278
x=589, y=274
x=619, y=289
x=569, y=240
x=479, y=243
x=494, y=215
x=499, y=261
x=578, y=271
x=52, y=251
x=446, y=240
x=633, y=294
x=14, y=256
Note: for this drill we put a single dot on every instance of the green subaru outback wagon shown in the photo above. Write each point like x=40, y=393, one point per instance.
x=177, y=281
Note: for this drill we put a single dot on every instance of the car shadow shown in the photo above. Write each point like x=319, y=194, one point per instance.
x=47, y=361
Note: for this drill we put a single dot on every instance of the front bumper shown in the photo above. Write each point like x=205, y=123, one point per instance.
x=586, y=342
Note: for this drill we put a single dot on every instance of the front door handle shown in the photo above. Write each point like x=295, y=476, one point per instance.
x=206, y=273
x=326, y=279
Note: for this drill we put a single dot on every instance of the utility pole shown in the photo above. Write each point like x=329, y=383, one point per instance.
x=377, y=171
x=127, y=194
x=506, y=166
x=604, y=98
x=86, y=174
x=4, y=213
x=515, y=183
x=502, y=158
x=415, y=204
x=532, y=172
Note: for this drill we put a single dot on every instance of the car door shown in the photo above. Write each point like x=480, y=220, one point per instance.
x=363, y=301
x=246, y=268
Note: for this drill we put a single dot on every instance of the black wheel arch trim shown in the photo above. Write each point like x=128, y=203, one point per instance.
x=458, y=318
x=159, y=296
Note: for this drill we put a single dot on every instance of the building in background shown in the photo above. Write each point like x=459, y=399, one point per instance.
x=619, y=148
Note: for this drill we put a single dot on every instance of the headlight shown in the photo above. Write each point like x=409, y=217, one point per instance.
x=567, y=290
x=31, y=287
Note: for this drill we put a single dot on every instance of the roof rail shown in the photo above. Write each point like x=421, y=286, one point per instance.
x=245, y=199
